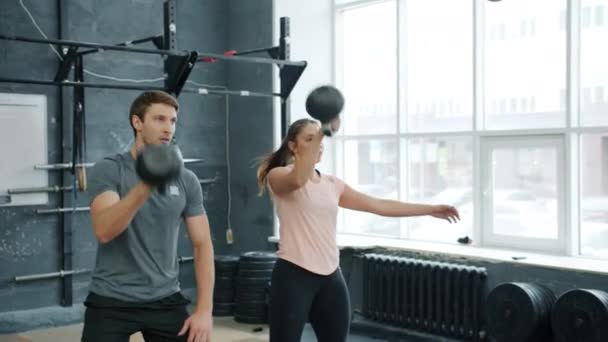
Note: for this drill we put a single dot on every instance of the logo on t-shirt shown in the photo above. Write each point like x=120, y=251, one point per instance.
x=173, y=190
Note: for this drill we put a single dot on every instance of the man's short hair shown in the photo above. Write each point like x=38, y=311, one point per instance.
x=141, y=104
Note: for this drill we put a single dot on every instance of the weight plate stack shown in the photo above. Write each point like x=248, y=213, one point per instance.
x=226, y=267
x=581, y=315
x=520, y=312
x=253, y=278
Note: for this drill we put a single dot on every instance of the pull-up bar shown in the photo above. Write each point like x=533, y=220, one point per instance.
x=94, y=45
x=201, y=91
x=125, y=48
x=204, y=57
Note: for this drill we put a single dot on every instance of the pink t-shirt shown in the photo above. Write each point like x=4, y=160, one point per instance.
x=307, y=218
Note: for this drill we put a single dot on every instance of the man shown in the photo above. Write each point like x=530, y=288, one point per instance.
x=135, y=284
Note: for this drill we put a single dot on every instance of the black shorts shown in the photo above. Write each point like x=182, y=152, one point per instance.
x=108, y=319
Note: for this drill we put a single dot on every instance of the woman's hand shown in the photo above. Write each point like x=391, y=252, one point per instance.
x=446, y=212
x=335, y=124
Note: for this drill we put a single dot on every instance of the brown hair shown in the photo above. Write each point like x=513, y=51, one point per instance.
x=141, y=104
x=282, y=155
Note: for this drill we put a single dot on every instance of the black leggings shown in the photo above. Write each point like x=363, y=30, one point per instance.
x=298, y=296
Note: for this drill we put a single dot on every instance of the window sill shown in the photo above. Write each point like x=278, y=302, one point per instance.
x=471, y=251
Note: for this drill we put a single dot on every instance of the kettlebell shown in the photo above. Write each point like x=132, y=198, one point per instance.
x=158, y=164
x=325, y=103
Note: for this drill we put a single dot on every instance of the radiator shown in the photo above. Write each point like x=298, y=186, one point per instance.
x=435, y=297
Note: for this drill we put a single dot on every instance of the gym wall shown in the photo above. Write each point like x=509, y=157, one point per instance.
x=31, y=243
x=251, y=124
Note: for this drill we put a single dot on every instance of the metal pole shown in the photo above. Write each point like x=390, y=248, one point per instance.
x=193, y=160
x=200, y=91
x=66, y=121
x=59, y=274
x=284, y=53
x=169, y=38
x=61, y=210
x=80, y=84
x=137, y=41
x=150, y=51
x=204, y=55
x=208, y=180
x=184, y=259
x=55, y=188
x=62, y=166
x=208, y=91
x=93, y=45
x=246, y=52
x=58, y=188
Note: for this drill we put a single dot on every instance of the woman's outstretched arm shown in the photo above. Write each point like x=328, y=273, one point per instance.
x=355, y=200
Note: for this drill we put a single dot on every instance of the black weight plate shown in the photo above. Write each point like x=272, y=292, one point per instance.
x=226, y=259
x=258, y=256
x=581, y=315
x=247, y=273
x=518, y=312
x=250, y=281
x=256, y=265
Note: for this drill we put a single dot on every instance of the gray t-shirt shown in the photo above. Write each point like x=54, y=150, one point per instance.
x=141, y=263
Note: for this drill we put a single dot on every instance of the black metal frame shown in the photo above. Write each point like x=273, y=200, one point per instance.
x=177, y=66
x=67, y=198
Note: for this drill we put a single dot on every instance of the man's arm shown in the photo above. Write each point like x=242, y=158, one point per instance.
x=111, y=215
x=202, y=249
x=199, y=324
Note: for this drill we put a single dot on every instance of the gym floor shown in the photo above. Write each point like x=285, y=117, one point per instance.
x=225, y=330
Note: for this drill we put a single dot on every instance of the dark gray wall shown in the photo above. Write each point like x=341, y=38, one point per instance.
x=251, y=127
x=30, y=243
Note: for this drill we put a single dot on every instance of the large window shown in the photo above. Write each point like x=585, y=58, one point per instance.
x=525, y=64
x=437, y=69
x=369, y=77
x=593, y=67
x=498, y=108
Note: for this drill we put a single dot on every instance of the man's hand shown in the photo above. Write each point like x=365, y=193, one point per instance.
x=198, y=326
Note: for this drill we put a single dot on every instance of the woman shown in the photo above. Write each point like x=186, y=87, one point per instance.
x=307, y=284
